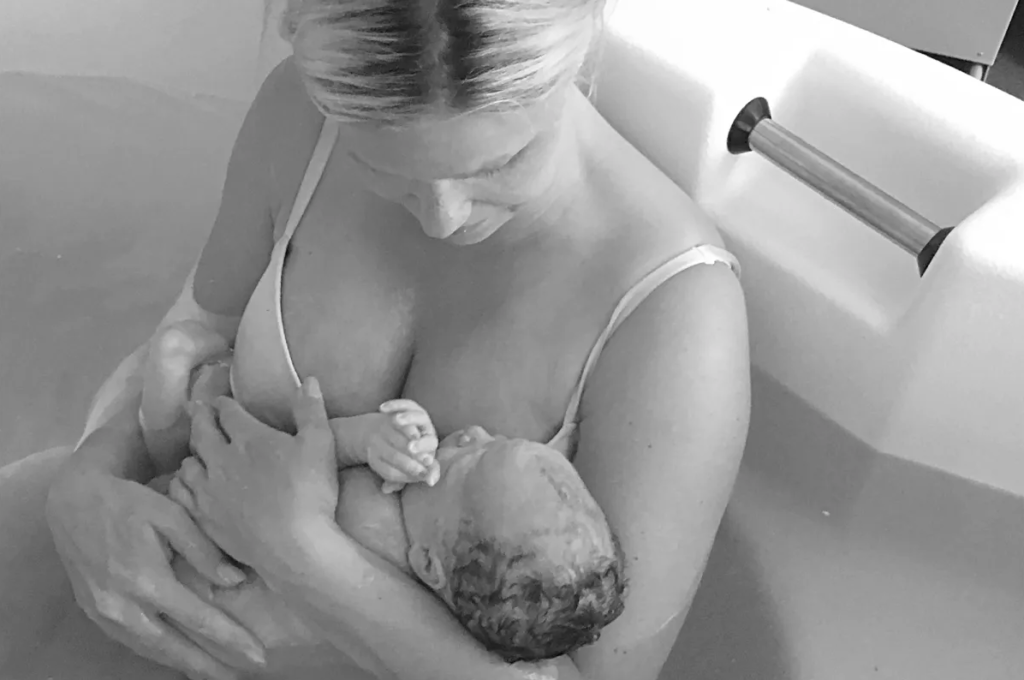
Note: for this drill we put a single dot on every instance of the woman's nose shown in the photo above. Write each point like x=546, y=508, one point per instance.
x=445, y=209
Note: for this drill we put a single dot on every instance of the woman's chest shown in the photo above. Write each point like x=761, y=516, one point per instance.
x=475, y=345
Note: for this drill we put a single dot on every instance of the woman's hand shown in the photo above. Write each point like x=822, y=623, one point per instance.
x=252, y=488
x=115, y=539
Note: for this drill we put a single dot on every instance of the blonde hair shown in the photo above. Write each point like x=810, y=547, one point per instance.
x=391, y=61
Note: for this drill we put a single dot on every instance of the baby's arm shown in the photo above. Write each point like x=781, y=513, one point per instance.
x=167, y=384
x=398, y=444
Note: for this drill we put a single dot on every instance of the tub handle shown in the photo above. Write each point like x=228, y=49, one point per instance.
x=754, y=130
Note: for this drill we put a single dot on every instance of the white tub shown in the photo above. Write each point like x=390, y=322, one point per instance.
x=877, y=530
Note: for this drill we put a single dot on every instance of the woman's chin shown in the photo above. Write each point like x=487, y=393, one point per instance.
x=477, y=232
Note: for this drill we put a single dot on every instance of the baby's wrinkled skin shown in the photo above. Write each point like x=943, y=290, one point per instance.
x=505, y=487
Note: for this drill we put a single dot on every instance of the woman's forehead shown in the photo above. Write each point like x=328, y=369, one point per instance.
x=446, y=147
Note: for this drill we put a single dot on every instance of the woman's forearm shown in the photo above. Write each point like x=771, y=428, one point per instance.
x=116, y=447
x=412, y=634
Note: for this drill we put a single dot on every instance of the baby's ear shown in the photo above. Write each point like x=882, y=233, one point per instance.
x=427, y=566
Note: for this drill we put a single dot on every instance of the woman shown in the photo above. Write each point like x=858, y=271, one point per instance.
x=464, y=230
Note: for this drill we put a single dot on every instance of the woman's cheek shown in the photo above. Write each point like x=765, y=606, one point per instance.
x=508, y=191
x=387, y=189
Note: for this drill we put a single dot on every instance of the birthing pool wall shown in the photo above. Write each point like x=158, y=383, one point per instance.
x=876, y=529
x=929, y=370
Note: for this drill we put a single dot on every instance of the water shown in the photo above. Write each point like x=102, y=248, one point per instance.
x=837, y=562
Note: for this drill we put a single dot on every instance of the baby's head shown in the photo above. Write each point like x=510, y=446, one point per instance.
x=514, y=543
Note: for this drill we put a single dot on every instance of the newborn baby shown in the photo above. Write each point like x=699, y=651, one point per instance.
x=502, y=530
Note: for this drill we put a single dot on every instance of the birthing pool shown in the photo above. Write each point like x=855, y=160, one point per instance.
x=877, y=528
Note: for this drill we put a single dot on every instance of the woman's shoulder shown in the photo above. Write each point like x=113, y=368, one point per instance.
x=267, y=162
x=645, y=216
x=287, y=125
x=648, y=221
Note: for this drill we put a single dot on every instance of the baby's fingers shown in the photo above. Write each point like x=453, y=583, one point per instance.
x=423, y=449
x=395, y=466
x=418, y=421
x=395, y=405
x=420, y=448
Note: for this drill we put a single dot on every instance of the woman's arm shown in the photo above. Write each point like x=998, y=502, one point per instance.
x=238, y=249
x=360, y=602
x=112, y=533
x=665, y=422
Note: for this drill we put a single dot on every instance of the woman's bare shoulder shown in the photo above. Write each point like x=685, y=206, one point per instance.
x=289, y=125
x=266, y=166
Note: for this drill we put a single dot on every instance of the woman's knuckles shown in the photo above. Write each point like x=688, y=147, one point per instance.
x=110, y=606
x=147, y=588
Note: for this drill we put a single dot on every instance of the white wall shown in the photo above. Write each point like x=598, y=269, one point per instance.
x=196, y=46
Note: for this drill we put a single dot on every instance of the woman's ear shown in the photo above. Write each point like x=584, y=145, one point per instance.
x=426, y=564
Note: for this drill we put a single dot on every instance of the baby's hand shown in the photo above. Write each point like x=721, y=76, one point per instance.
x=402, y=450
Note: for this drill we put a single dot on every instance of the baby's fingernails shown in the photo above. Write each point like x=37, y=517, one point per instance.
x=434, y=476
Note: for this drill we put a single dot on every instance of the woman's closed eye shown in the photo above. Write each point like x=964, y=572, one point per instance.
x=508, y=165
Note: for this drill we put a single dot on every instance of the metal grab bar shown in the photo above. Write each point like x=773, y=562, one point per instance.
x=754, y=130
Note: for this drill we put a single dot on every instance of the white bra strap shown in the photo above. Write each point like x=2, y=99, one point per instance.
x=314, y=171
x=703, y=254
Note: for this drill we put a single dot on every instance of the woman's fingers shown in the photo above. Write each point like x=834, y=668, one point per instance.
x=192, y=472
x=180, y=494
x=235, y=421
x=180, y=530
x=310, y=413
x=174, y=649
x=206, y=435
x=154, y=639
x=189, y=612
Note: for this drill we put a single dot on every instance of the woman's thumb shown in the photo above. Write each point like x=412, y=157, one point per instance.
x=309, y=410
